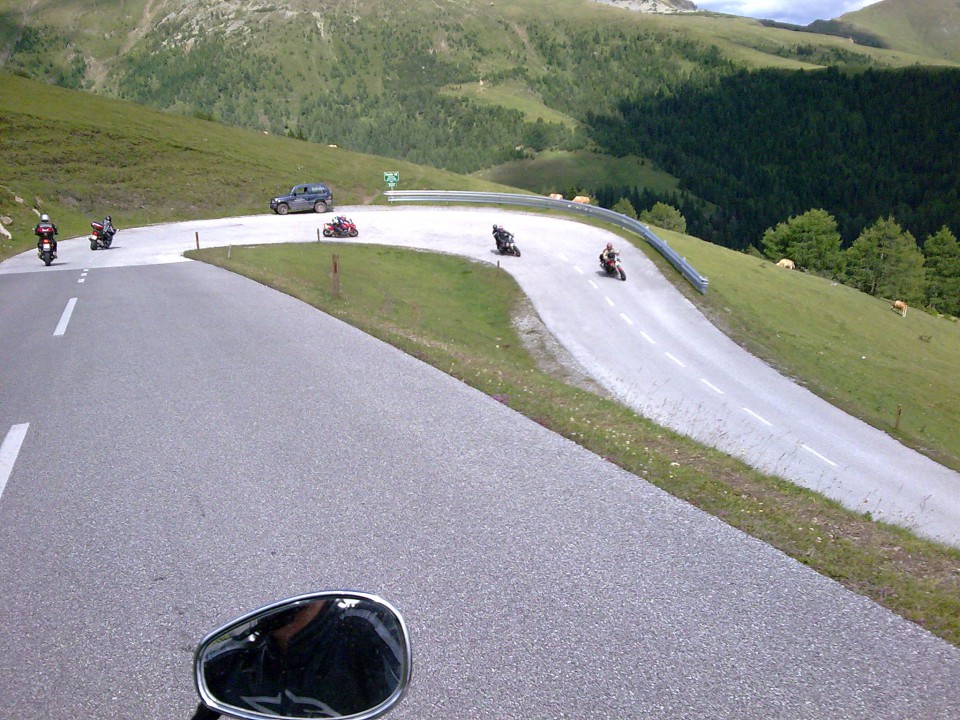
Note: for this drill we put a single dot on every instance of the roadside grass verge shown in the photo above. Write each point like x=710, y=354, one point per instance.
x=459, y=316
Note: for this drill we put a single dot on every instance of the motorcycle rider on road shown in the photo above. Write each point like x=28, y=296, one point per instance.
x=608, y=255
x=46, y=228
x=108, y=229
x=500, y=235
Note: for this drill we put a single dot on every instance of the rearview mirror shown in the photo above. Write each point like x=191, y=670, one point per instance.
x=336, y=654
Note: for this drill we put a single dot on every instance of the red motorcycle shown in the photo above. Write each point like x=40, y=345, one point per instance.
x=612, y=266
x=98, y=238
x=340, y=227
x=46, y=245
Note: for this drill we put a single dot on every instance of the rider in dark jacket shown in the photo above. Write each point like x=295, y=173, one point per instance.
x=108, y=229
x=501, y=236
x=46, y=228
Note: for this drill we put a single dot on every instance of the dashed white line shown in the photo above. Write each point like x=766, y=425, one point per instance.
x=609, y=301
x=564, y=257
x=627, y=320
x=761, y=419
x=712, y=386
x=9, y=451
x=578, y=269
x=65, y=318
x=676, y=360
x=648, y=338
x=814, y=452
x=593, y=285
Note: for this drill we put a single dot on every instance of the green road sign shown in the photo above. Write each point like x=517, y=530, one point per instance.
x=391, y=178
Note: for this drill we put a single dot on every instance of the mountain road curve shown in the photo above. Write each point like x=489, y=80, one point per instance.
x=642, y=340
x=179, y=444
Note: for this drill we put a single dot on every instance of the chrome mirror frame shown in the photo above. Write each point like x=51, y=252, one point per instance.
x=214, y=704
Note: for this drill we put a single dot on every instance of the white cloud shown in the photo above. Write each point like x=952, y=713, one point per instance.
x=800, y=13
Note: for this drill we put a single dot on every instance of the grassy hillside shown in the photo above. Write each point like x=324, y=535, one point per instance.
x=927, y=27
x=79, y=156
x=452, y=84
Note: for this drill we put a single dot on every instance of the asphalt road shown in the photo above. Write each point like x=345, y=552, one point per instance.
x=190, y=444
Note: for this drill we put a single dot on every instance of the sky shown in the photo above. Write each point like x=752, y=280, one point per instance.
x=799, y=12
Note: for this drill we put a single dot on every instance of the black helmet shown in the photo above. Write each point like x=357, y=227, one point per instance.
x=109, y=219
x=496, y=227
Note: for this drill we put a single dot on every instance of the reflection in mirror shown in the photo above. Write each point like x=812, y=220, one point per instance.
x=321, y=656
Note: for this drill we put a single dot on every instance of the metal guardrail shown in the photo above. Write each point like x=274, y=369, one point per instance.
x=536, y=201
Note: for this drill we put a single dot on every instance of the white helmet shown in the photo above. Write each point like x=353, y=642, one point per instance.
x=44, y=218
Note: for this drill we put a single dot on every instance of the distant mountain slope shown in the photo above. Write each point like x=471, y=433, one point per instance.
x=929, y=27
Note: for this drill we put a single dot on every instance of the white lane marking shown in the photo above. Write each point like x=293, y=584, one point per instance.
x=65, y=318
x=83, y=279
x=675, y=360
x=761, y=419
x=609, y=301
x=578, y=269
x=712, y=386
x=814, y=452
x=593, y=285
x=564, y=257
x=648, y=338
x=627, y=320
x=9, y=451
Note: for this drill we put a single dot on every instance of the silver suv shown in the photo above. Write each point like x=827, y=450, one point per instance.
x=309, y=196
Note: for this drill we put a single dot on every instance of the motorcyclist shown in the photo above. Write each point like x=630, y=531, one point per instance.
x=501, y=236
x=46, y=228
x=608, y=255
x=108, y=229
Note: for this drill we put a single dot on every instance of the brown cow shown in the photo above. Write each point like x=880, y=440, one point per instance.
x=787, y=263
x=556, y=196
x=582, y=199
x=900, y=306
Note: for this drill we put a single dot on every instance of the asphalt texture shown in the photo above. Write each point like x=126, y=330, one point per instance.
x=199, y=445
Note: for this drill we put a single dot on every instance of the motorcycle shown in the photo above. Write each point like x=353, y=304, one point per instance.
x=327, y=654
x=612, y=267
x=45, y=250
x=341, y=227
x=505, y=243
x=98, y=238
